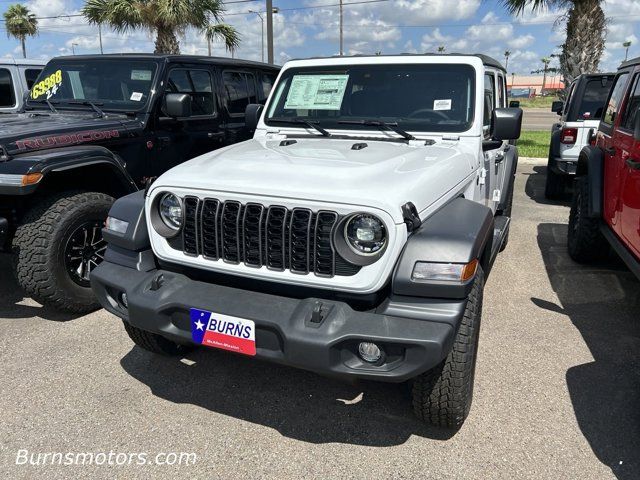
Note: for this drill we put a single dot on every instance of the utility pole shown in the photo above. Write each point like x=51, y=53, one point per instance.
x=270, y=31
x=73, y=50
x=341, y=32
x=100, y=36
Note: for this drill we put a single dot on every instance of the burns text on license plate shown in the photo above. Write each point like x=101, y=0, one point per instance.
x=223, y=331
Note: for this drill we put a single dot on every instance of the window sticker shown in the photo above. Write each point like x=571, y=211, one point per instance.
x=444, y=104
x=316, y=92
x=144, y=75
x=136, y=96
x=48, y=86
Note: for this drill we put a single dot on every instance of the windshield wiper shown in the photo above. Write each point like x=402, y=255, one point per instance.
x=302, y=121
x=88, y=104
x=49, y=104
x=393, y=127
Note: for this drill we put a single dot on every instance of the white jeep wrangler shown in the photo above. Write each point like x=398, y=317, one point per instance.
x=351, y=236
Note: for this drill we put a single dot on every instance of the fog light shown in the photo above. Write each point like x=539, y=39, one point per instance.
x=369, y=352
x=123, y=300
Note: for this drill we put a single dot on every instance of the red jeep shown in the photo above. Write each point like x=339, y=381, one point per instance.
x=606, y=200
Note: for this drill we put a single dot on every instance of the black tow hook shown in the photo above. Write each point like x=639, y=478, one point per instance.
x=157, y=282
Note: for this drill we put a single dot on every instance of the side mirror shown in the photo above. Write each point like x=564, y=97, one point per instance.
x=252, y=115
x=506, y=123
x=557, y=107
x=514, y=104
x=177, y=105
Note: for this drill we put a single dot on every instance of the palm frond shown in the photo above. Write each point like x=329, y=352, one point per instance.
x=225, y=32
x=121, y=15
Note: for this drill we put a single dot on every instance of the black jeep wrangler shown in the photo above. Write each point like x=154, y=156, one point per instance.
x=95, y=128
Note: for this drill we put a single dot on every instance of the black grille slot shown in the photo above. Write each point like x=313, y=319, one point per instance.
x=275, y=243
x=209, y=229
x=324, y=254
x=280, y=239
x=252, y=234
x=230, y=228
x=189, y=230
x=300, y=240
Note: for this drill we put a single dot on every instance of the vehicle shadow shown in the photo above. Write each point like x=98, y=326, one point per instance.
x=11, y=295
x=603, y=302
x=534, y=188
x=298, y=404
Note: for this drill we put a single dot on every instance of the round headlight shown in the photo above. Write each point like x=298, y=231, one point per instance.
x=365, y=234
x=170, y=210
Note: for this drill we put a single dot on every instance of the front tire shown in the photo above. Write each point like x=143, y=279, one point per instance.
x=154, y=343
x=57, y=244
x=442, y=396
x=584, y=239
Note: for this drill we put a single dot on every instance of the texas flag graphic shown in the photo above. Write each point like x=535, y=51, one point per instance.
x=223, y=331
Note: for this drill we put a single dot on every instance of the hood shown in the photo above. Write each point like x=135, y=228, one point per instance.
x=383, y=174
x=24, y=132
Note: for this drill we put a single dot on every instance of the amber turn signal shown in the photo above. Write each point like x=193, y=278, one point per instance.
x=31, y=178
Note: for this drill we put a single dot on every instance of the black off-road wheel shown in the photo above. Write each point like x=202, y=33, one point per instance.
x=155, y=343
x=585, y=242
x=442, y=396
x=57, y=245
x=555, y=186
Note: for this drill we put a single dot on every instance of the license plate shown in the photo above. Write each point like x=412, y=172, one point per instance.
x=223, y=331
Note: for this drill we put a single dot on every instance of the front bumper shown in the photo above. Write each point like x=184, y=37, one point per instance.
x=416, y=334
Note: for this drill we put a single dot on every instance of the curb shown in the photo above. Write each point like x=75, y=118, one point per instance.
x=532, y=161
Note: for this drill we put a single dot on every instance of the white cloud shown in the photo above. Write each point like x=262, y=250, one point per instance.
x=522, y=41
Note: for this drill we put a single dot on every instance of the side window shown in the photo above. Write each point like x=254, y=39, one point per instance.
x=31, y=75
x=266, y=84
x=7, y=92
x=240, y=90
x=615, y=99
x=489, y=98
x=633, y=105
x=501, y=97
x=196, y=83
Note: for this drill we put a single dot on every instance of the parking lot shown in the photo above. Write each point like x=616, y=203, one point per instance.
x=556, y=396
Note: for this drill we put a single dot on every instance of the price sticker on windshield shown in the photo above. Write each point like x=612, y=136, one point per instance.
x=316, y=92
x=47, y=86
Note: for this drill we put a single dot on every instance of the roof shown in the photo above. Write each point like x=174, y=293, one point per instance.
x=175, y=58
x=22, y=61
x=486, y=60
x=630, y=63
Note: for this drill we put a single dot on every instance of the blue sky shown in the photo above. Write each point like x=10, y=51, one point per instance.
x=390, y=26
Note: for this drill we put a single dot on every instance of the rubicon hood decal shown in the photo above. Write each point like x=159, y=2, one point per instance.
x=66, y=139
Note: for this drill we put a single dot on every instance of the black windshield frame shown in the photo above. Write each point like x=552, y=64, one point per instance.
x=106, y=66
x=458, y=80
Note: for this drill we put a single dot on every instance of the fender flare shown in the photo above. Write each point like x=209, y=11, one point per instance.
x=554, y=146
x=70, y=158
x=459, y=232
x=591, y=165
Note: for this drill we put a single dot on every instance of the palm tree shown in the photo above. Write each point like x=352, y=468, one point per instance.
x=166, y=18
x=20, y=23
x=586, y=31
x=507, y=54
x=441, y=49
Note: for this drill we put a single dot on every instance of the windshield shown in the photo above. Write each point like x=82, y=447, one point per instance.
x=428, y=98
x=114, y=84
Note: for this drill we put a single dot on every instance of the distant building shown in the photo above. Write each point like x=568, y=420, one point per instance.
x=520, y=83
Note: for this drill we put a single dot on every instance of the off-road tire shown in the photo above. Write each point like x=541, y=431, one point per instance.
x=555, y=186
x=442, y=396
x=39, y=245
x=155, y=343
x=585, y=242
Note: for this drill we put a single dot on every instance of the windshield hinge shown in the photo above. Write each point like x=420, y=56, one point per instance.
x=4, y=155
x=451, y=138
x=411, y=217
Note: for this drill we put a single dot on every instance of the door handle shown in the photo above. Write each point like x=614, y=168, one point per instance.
x=610, y=151
x=635, y=164
x=216, y=135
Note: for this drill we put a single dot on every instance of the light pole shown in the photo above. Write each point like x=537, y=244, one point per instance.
x=73, y=50
x=100, y=36
x=341, y=30
x=262, y=34
x=270, y=31
x=626, y=45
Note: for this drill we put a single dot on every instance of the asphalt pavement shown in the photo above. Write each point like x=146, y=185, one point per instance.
x=557, y=390
x=539, y=119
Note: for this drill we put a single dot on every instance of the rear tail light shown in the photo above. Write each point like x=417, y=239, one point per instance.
x=569, y=135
